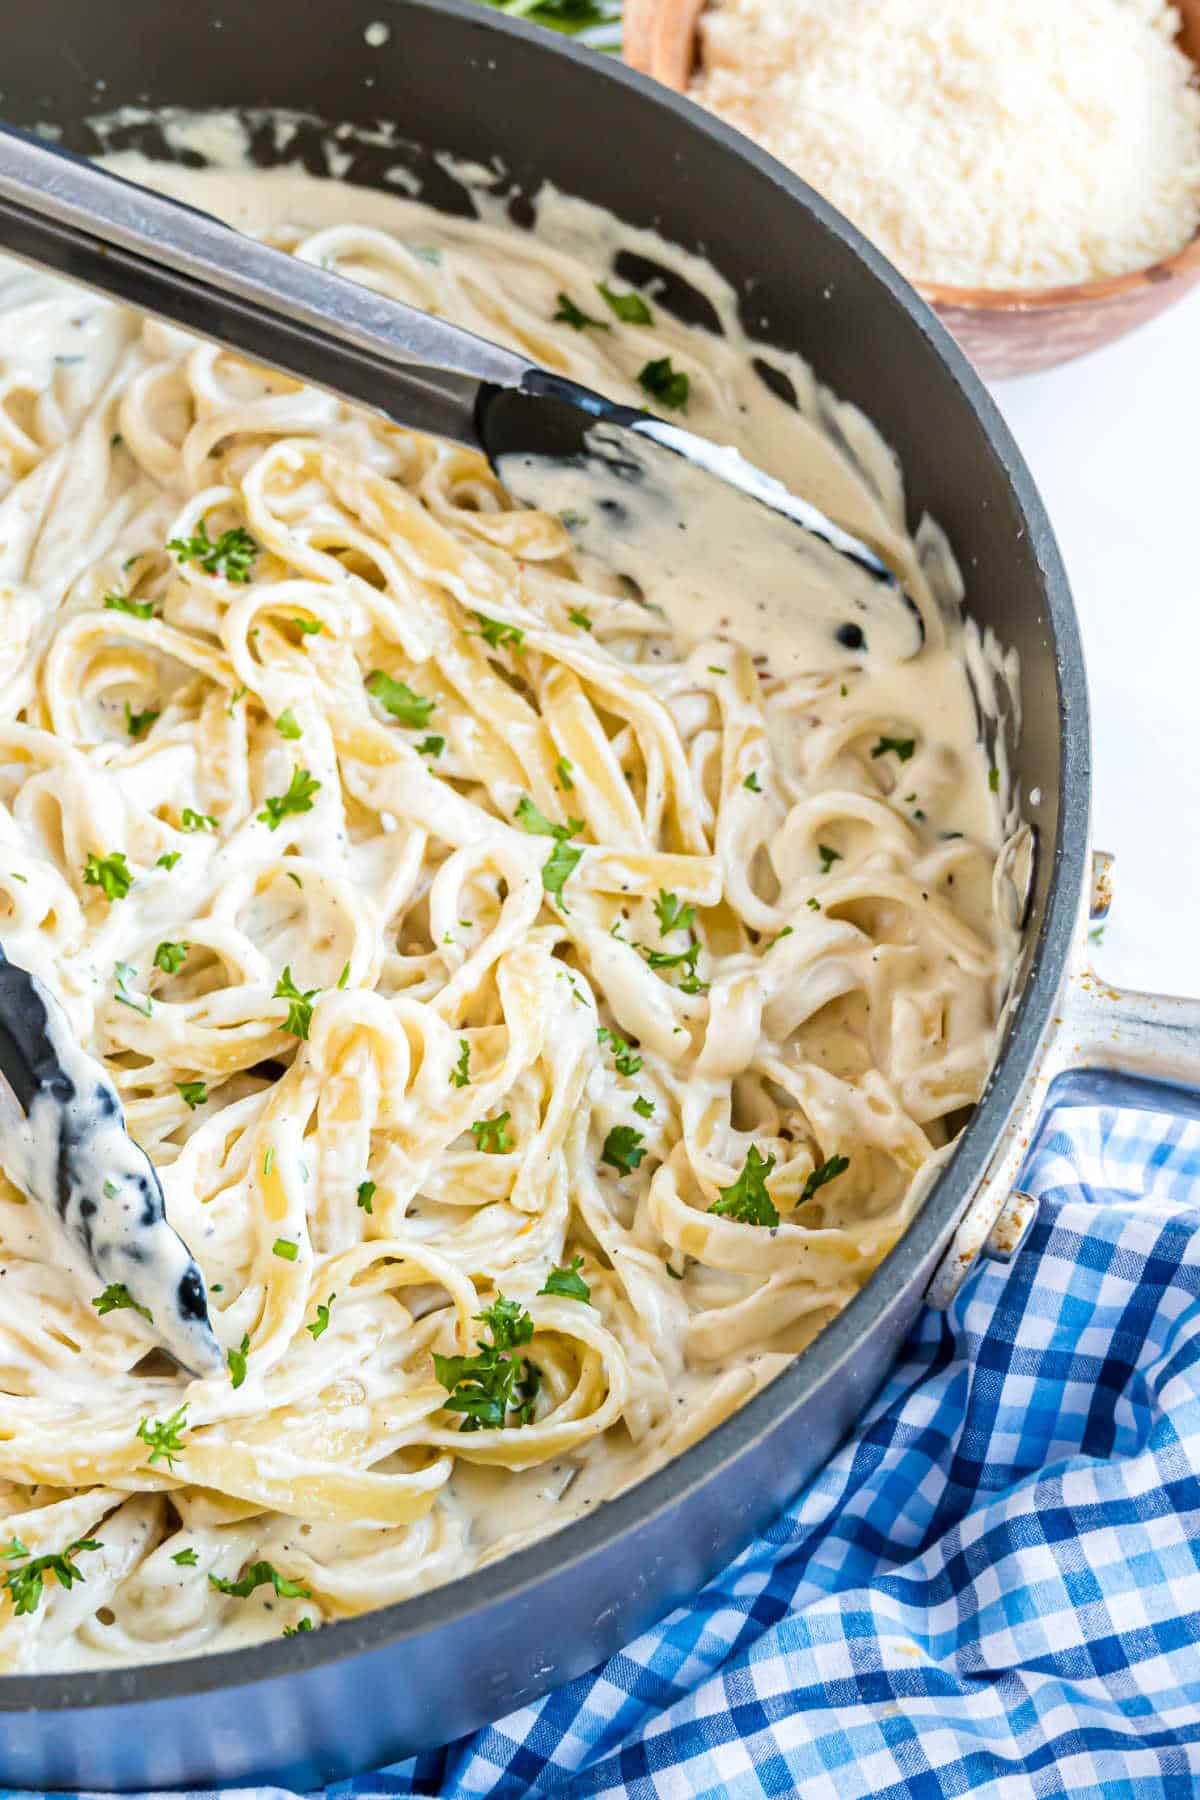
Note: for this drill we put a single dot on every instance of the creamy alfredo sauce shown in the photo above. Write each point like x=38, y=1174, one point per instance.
x=485, y=921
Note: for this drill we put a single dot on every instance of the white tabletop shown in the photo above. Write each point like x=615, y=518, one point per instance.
x=1114, y=444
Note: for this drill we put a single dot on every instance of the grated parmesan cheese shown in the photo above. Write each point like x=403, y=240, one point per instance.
x=979, y=143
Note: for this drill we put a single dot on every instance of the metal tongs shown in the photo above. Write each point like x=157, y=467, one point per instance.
x=62, y=213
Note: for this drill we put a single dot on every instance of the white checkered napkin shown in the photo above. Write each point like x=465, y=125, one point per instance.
x=994, y=1588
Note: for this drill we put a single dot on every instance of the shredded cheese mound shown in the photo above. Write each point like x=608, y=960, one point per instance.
x=1008, y=143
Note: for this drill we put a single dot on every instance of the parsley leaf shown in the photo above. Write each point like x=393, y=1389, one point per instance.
x=828, y=857
x=562, y=769
x=321, y=1322
x=187, y=1559
x=431, y=746
x=237, y=1361
x=903, y=747
x=170, y=958
x=137, y=723
x=137, y=609
x=286, y=724
x=564, y=856
x=165, y=1436
x=193, y=1092
x=579, y=618
x=460, y=1074
x=308, y=627
x=195, y=821
x=568, y=1282
x=305, y=1624
x=285, y=1249
x=168, y=859
x=665, y=383
x=140, y=1003
x=300, y=1008
x=631, y=309
x=570, y=314
x=671, y=915
x=643, y=1108
x=488, y=1387
x=232, y=555
x=994, y=780
x=752, y=782
x=496, y=633
x=257, y=1575
x=116, y=1296
x=397, y=698
x=366, y=1196
x=298, y=799
x=628, y=1062
x=677, y=959
x=827, y=1171
x=747, y=1200
x=109, y=873
x=491, y=1135
x=623, y=1149
x=26, y=1583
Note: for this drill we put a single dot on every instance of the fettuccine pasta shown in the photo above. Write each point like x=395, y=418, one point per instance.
x=544, y=1014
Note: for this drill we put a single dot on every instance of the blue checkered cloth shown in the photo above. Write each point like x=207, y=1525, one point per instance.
x=992, y=1590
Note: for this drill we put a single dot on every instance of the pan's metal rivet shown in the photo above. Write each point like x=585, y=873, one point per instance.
x=1016, y=1220
x=1102, y=866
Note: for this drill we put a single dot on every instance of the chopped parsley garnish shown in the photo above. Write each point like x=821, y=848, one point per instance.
x=747, y=1200
x=397, y=698
x=491, y=1135
x=137, y=723
x=305, y=1624
x=1096, y=934
x=193, y=1093
x=308, y=627
x=232, y=555
x=116, y=1297
x=631, y=309
x=344, y=977
x=286, y=724
x=164, y=1436
x=903, y=747
x=623, y=1149
x=237, y=1361
x=431, y=746
x=111, y=874
x=168, y=859
x=300, y=1007
x=269, y=1160
x=671, y=915
x=677, y=959
x=813, y=904
x=994, y=780
x=828, y=1171
x=643, y=1108
x=562, y=769
x=828, y=857
x=196, y=821
x=26, y=1583
x=568, y=1282
x=628, y=1062
x=137, y=609
x=237, y=694
x=298, y=799
x=493, y=1389
x=321, y=1322
x=257, y=1575
x=460, y=1074
x=126, y=974
x=564, y=857
x=170, y=958
x=570, y=314
x=284, y=1247
x=366, y=1196
x=752, y=782
x=664, y=383
x=187, y=1559
x=496, y=633
x=673, y=1273
x=580, y=618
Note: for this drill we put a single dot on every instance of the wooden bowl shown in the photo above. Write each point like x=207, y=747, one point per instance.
x=1005, y=331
